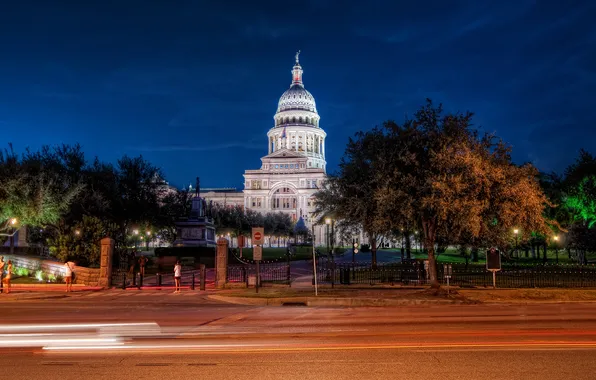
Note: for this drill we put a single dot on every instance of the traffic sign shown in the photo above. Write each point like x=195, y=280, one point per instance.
x=257, y=252
x=493, y=260
x=258, y=234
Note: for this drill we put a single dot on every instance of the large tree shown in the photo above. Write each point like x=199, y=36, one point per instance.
x=442, y=175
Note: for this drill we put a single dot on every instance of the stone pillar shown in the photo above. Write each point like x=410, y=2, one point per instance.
x=105, y=271
x=221, y=263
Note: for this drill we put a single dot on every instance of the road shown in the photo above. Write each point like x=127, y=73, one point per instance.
x=184, y=336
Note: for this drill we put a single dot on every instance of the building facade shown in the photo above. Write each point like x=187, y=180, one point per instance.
x=295, y=166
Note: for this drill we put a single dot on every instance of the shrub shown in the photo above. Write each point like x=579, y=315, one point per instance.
x=21, y=272
x=365, y=248
x=39, y=275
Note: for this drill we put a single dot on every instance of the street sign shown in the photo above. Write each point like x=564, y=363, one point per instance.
x=493, y=263
x=258, y=234
x=257, y=252
x=447, y=270
x=493, y=260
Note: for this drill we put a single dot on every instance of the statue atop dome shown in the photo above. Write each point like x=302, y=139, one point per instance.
x=298, y=57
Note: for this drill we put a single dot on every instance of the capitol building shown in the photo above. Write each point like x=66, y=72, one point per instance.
x=295, y=166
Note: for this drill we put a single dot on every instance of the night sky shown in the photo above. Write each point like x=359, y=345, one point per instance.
x=193, y=85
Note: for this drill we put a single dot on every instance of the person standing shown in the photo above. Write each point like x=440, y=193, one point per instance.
x=69, y=275
x=142, y=262
x=177, y=276
x=6, y=279
x=2, y=264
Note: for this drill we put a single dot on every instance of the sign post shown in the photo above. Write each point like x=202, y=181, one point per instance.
x=493, y=263
x=447, y=272
x=257, y=250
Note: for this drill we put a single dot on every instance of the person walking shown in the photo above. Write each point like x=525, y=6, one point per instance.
x=69, y=275
x=177, y=276
x=6, y=279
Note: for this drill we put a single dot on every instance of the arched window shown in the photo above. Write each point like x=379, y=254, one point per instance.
x=300, y=120
x=294, y=119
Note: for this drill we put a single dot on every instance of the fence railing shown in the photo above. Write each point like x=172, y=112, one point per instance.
x=276, y=273
x=416, y=273
x=189, y=279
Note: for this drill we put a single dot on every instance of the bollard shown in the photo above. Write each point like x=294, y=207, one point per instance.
x=192, y=285
x=141, y=280
x=138, y=280
x=124, y=281
x=203, y=276
x=159, y=279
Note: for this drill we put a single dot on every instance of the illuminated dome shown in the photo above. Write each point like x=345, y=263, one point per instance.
x=297, y=97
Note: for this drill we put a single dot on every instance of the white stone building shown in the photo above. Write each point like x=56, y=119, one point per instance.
x=295, y=166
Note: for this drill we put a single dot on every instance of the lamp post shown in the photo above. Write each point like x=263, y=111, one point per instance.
x=330, y=221
x=148, y=233
x=135, y=234
x=516, y=232
x=556, y=238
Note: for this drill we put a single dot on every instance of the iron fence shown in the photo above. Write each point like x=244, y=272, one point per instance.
x=274, y=273
x=473, y=275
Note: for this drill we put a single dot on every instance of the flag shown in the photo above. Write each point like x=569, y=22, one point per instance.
x=283, y=133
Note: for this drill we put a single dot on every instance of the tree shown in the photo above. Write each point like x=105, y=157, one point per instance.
x=173, y=206
x=582, y=201
x=33, y=191
x=441, y=175
x=81, y=242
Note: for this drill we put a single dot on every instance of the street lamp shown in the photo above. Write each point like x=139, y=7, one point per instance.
x=77, y=232
x=516, y=232
x=135, y=232
x=148, y=233
x=13, y=221
x=556, y=238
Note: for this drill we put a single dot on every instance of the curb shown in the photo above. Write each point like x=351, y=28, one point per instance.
x=329, y=301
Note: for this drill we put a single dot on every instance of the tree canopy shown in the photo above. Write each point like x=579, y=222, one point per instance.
x=437, y=174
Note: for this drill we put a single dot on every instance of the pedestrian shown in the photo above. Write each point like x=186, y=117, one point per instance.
x=69, y=275
x=142, y=261
x=177, y=275
x=131, y=262
x=6, y=279
x=2, y=264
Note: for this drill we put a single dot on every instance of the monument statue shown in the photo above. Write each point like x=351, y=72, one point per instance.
x=198, y=188
x=298, y=57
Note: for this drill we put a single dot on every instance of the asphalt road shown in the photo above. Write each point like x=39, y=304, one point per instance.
x=188, y=336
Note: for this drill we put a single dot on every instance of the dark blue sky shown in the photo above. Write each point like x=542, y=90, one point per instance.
x=193, y=85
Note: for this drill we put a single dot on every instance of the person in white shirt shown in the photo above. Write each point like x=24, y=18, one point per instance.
x=68, y=275
x=177, y=275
